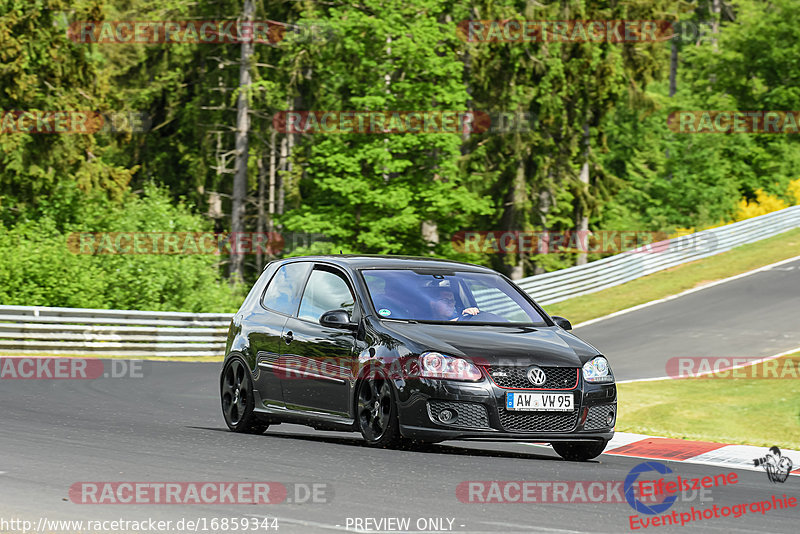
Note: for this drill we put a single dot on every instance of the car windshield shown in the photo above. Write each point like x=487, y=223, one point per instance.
x=447, y=296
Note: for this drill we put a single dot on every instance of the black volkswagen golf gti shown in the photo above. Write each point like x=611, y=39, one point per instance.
x=412, y=350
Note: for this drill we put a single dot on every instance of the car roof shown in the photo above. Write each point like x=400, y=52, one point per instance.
x=369, y=261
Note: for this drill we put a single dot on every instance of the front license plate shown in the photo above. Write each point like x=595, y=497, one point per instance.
x=539, y=402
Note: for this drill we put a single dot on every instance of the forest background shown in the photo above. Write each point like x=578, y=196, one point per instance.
x=595, y=152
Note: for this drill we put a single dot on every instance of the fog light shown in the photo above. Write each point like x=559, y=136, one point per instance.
x=610, y=418
x=447, y=416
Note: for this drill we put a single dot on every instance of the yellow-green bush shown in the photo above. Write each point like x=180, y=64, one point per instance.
x=763, y=203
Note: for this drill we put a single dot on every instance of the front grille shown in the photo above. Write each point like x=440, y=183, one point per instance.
x=597, y=417
x=517, y=377
x=538, y=421
x=470, y=414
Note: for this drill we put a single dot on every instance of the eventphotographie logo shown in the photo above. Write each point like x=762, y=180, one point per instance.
x=777, y=467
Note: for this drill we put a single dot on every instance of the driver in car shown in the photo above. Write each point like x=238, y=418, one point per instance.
x=443, y=306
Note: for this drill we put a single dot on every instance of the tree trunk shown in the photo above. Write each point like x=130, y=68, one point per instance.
x=545, y=201
x=673, y=69
x=282, y=167
x=289, y=150
x=242, y=128
x=581, y=215
x=272, y=148
x=518, y=201
x=673, y=83
x=387, y=81
x=261, y=215
x=430, y=232
x=716, y=9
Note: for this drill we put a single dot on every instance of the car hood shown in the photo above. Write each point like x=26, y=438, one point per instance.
x=499, y=345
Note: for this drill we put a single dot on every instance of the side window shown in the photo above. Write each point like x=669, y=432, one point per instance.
x=283, y=292
x=324, y=292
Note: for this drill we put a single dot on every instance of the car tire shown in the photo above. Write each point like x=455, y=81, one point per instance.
x=579, y=451
x=238, y=401
x=376, y=413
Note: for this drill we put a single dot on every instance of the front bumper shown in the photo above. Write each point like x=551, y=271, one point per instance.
x=481, y=413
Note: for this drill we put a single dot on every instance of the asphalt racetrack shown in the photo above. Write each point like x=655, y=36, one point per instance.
x=167, y=426
x=752, y=317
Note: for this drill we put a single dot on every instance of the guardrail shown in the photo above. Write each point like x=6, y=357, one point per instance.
x=552, y=287
x=35, y=329
x=44, y=330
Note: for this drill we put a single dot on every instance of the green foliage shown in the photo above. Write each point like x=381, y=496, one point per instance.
x=369, y=192
x=697, y=180
x=37, y=267
x=604, y=105
x=44, y=70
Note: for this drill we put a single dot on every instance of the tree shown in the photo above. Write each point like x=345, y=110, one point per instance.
x=242, y=131
x=43, y=70
x=373, y=192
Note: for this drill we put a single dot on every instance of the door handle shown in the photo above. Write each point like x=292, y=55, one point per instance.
x=288, y=337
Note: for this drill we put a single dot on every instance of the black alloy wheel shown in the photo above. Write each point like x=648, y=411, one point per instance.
x=376, y=413
x=238, y=403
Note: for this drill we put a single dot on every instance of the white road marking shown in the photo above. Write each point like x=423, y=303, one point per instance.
x=754, y=362
x=688, y=291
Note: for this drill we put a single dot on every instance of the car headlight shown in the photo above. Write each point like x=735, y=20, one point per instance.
x=597, y=370
x=436, y=365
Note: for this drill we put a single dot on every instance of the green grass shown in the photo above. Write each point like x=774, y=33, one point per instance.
x=761, y=412
x=680, y=278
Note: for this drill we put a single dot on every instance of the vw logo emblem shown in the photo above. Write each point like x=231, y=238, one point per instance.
x=536, y=375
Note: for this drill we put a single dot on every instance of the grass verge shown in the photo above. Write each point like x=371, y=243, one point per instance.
x=680, y=278
x=719, y=408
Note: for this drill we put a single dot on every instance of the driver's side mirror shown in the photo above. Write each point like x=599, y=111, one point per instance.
x=337, y=319
x=563, y=323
